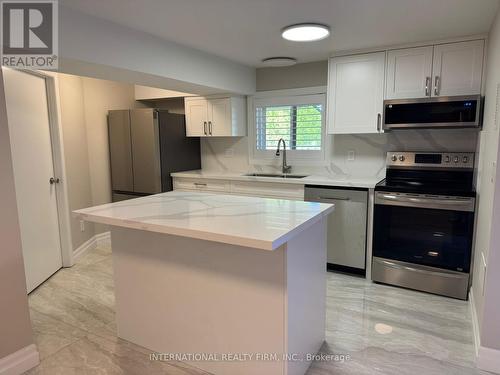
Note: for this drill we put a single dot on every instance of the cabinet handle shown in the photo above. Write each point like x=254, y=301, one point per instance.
x=205, y=127
x=199, y=184
x=210, y=127
x=427, y=86
x=437, y=82
x=379, y=121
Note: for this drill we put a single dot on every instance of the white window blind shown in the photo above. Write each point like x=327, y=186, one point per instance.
x=300, y=125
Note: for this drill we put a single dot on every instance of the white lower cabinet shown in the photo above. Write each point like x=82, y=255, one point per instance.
x=268, y=189
x=249, y=188
x=201, y=184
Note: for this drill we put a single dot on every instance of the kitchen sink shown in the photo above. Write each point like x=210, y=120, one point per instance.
x=276, y=175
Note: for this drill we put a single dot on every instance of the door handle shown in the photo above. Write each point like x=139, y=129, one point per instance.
x=205, y=127
x=437, y=82
x=210, y=127
x=53, y=180
x=379, y=122
x=427, y=86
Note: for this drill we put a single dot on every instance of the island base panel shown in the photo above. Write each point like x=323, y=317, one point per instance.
x=178, y=295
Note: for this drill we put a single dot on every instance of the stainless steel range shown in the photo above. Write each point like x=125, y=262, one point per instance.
x=424, y=222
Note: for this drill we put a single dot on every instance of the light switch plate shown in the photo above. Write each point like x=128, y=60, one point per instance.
x=82, y=225
x=351, y=155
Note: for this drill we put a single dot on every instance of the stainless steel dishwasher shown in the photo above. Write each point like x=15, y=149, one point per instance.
x=346, y=228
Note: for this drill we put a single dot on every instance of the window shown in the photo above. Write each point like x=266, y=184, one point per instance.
x=299, y=125
x=298, y=119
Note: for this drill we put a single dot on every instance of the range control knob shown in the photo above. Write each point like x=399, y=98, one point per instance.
x=465, y=159
x=447, y=159
x=401, y=158
x=394, y=158
x=456, y=159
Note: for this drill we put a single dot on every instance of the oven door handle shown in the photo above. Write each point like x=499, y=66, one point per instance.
x=457, y=204
x=412, y=269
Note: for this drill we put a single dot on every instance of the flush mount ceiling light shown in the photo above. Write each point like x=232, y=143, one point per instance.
x=305, y=32
x=279, y=61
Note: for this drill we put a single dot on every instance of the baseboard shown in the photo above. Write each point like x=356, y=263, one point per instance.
x=475, y=323
x=488, y=360
x=20, y=361
x=103, y=239
x=100, y=239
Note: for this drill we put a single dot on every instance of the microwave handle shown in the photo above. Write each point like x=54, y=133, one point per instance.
x=379, y=122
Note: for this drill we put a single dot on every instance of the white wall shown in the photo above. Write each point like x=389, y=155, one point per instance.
x=296, y=76
x=84, y=108
x=99, y=97
x=111, y=51
x=76, y=154
x=487, y=244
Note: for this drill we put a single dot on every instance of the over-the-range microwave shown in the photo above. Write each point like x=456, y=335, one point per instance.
x=429, y=113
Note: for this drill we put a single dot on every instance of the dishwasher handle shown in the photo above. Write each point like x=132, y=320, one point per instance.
x=333, y=199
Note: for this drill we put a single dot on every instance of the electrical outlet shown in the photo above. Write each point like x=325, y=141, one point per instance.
x=493, y=172
x=351, y=155
x=82, y=225
x=229, y=153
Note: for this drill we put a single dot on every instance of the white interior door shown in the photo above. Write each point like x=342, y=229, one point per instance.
x=29, y=129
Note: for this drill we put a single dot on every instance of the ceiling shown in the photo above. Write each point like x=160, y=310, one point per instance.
x=246, y=31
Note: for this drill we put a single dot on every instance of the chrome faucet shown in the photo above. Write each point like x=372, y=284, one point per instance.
x=286, y=168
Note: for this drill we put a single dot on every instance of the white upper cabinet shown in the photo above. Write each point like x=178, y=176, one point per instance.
x=458, y=68
x=196, y=117
x=215, y=117
x=442, y=70
x=356, y=93
x=409, y=73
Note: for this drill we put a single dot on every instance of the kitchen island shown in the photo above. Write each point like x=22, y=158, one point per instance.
x=229, y=284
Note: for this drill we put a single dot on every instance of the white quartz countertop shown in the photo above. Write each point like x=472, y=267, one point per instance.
x=262, y=223
x=359, y=182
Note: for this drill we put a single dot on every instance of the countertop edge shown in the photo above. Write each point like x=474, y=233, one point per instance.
x=268, y=245
x=310, y=180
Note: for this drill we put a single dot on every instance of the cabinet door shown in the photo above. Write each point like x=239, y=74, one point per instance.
x=196, y=117
x=219, y=117
x=458, y=68
x=409, y=73
x=356, y=93
x=120, y=150
x=145, y=151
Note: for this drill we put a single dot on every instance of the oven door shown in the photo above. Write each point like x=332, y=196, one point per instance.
x=428, y=230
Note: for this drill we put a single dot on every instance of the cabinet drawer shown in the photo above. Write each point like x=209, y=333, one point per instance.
x=268, y=189
x=202, y=184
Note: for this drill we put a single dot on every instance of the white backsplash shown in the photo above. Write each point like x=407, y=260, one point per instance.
x=231, y=154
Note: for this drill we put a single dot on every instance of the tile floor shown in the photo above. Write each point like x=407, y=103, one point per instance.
x=384, y=330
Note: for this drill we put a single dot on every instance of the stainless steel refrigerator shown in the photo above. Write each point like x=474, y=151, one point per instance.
x=146, y=145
